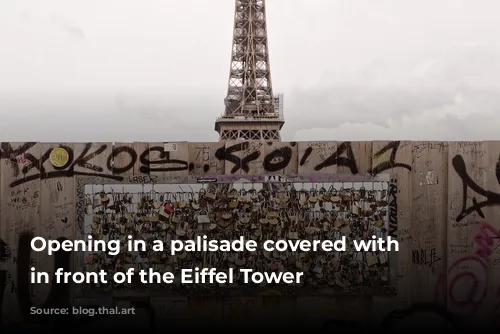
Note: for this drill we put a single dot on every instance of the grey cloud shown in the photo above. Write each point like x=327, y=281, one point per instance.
x=455, y=92
x=361, y=70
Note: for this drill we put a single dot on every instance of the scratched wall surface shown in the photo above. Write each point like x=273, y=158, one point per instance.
x=444, y=211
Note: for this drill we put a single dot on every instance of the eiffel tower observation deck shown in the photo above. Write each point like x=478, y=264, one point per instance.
x=252, y=111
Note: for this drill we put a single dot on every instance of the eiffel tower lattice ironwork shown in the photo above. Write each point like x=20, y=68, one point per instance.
x=252, y=111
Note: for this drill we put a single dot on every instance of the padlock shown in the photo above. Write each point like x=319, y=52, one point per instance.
x=175, y=201
x=371, y=196
x=174, y=218
x=181, y=229
x=211, y=194
x=106, y=227
x=285, y=197
x=202, y=217
x=293, y=234
x=224, y=218
x=96, y=223
x=183, y=201
x=278, y=231
x=276, y=254
x=272, y=220
x=233, y=194
x=253, y=194
x=233, y=202
x=382, y=198
x=240, y=260
x=356, y=210
x=321, y=192
x=267, y=254
x=345, y=229
x=263, y=194
x=371, y=260
x=302, y=217
x=104, y=198
x=379, y=223
x=362, y=192
x=275, y=199
x=244, y=218
x=264, y=221
x=257, y=234
x=302, y=198
x=313, y=196
x=168, y=207
x=96, y=235
x=163, y=216
x=195, y=205
x=154, y=218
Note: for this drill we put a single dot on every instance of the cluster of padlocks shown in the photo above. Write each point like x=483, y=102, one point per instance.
x=225, y=213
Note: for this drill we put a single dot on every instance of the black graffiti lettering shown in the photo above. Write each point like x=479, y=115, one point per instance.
x=306, y=155
x=227, y=154
x=83, y=159
x=117, y=151
x=393, y=209
x=422, y=257
x=336, y=159
x=11, y=154
x=278, y=159
x=65, y=171
x=36, y=163
x=56, y=174
x=173, y=164
x=391, y=163
x=497, y=169
x=492, y=198
x=467, y=182
x=142, y=179
x=80, y=206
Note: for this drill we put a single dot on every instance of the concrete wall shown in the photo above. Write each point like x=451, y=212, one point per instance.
x=447, y=202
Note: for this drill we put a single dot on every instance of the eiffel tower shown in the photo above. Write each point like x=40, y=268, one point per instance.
x=252, y=112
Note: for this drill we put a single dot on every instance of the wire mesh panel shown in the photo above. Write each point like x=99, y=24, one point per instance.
x=258, y=208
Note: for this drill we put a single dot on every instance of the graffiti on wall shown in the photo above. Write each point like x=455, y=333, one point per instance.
x=424, y=257
x=468, y=184
x=393, y=209
x=255, y=211
x=469, y=283
x=241, y=156
x=391, y=162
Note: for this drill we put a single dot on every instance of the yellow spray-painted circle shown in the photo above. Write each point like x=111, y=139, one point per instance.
x=59, y=157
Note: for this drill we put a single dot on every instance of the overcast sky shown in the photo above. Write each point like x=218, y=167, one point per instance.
x=123, y=70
